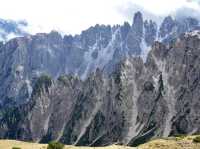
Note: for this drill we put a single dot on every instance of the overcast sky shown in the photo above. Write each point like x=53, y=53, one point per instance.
x=72, y=16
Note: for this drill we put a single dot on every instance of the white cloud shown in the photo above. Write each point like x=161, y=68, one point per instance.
x=72, y=16
x=157, y=9
x=163, y=7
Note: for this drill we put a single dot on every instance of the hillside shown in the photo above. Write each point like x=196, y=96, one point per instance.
x=172, y=143
x=165, y=143
x=8, y=144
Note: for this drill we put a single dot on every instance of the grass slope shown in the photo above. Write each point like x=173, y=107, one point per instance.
x=182, y=142
x=8, y=144
x=165, y=143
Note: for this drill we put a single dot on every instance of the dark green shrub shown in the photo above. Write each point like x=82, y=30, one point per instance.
x=55, y=145
x=180, y=135
x=196, y=139
x=63, y=79
x=16, y=148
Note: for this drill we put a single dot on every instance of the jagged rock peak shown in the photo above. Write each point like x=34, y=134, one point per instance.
x=138, y=18
x=138, y=24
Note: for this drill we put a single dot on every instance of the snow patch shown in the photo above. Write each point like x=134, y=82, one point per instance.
x=193, y=33
x=104, y=55
x=19, y=68
x=30, y=89
x=11, y=36
x=46, y=124
x=145, y=50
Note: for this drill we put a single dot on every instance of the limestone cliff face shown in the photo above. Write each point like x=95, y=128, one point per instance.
x=26, y=58
x=136, y=102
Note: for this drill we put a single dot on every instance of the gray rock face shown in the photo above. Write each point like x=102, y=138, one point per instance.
x=170, y=28
x=136, y=102
x=150, y=32
x=167, y=26
x=23, y=59
x=135, y=35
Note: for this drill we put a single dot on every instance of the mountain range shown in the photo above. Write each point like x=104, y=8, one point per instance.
x=111, y=84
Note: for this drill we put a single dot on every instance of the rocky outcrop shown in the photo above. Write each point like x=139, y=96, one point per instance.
x=170, y=28
x=136, y=102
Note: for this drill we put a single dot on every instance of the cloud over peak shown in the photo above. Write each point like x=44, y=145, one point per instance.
x=73, y=16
